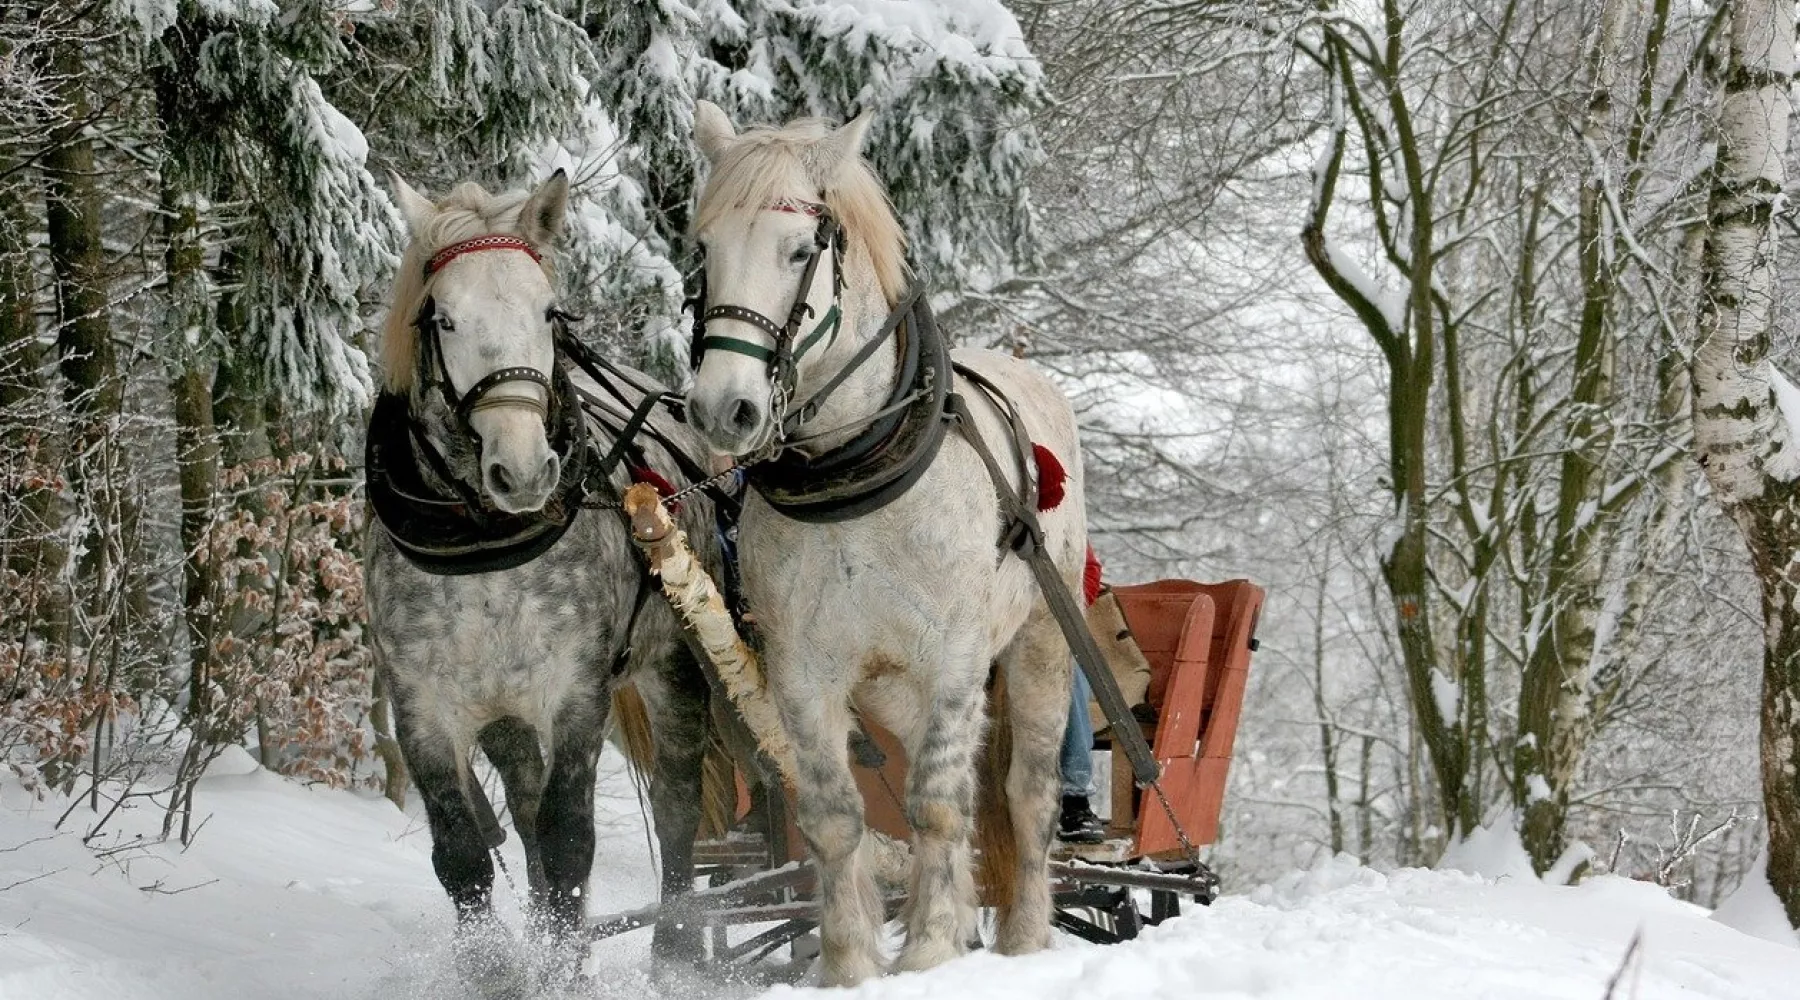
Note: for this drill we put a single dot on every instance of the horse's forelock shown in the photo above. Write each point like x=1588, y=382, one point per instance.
x=765, y=164
x=469, y=210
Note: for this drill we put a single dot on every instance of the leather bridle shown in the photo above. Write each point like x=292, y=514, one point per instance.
x=436, y=375
x=790, y=346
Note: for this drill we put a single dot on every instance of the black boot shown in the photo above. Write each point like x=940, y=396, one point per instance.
x=1079, y=824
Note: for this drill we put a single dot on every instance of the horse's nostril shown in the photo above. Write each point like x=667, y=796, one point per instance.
x=548, y=474
x=498, y=480
x=743, y=415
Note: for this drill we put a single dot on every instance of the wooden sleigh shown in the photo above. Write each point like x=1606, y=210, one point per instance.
x=1197, y=639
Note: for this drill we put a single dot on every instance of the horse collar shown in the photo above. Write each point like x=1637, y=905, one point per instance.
x=438, y=522
x=879, y=465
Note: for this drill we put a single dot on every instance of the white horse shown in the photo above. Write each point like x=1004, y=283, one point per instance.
x=900, y=612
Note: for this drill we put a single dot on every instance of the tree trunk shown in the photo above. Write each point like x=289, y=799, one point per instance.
x=1741, y=432
x=33, y=545
x=1328, y=745
x=196, y=442
x=1448, y=709
x=1556, y=718
x=238, y=394
x=190, y=340
x=83, y=334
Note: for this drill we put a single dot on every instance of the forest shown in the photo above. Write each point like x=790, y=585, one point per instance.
x=1458, y=326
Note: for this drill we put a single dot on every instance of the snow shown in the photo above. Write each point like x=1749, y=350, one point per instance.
x=1787, y=400
x=1447, y=695
x=1493, y=851
x=1573, y=857
x=251, y=13
x=295, y=892
x=1538, y=788
x=967, y=31
x=1391, y=304
x=1755, y=909
x=152, y=16
x=287, y=891
x=1340, y=932
x=1393, y=530
x=350, y=144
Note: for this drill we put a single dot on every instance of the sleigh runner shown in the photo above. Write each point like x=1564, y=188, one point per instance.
x=1180, y=648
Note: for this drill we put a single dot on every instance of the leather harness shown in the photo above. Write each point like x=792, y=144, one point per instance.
x=901, y=439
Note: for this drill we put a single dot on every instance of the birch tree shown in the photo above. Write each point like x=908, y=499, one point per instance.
x=1745, y=410
x=1521, y=193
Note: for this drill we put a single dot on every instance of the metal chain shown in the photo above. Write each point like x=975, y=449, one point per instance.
x=1180, y=834
x=676, y=497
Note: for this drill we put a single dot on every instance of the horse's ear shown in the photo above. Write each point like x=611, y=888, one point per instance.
x=845, y=144
x=712, y=129
x=541, y=217
x=415, y=208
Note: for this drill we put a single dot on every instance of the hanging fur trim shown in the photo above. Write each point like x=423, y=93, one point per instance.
x=1051, y=478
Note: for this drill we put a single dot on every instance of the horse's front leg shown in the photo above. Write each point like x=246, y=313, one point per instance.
x=565, y=828
x=829, y=812
x=940, y=806
x=484, y=951
x=676, y=699
x=512, y=747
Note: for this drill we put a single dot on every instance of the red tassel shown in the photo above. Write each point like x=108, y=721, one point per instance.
x=644, y=474
x=1051, y=478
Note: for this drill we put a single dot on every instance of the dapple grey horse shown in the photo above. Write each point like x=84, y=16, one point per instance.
x=520, y=659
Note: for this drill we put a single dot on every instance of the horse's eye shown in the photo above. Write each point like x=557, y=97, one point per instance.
x=802, y=255
x=444, y=322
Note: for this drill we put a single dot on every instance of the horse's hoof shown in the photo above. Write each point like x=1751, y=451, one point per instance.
x=678, y=976
x=556, y=957
x=925, y=956
x=851, y=972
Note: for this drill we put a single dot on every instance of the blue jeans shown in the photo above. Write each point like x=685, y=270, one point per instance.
x=1078, y=740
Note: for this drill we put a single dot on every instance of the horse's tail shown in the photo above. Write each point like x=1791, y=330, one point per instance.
x=998, y=869
x=633, y=720
x=718, y=790
x=718, y=777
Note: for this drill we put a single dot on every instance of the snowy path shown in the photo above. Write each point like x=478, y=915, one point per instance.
x=298, y=893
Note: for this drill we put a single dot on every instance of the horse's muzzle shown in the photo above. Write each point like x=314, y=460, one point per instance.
x=516, y=491
x=734, y=425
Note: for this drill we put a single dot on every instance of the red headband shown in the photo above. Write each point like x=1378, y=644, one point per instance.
x=812, y=208
x=479, y=243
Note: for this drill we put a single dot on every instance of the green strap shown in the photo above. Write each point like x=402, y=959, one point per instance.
x=737, y=346
x=828, y=325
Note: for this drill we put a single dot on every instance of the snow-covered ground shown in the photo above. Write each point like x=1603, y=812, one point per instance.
x=290, y=892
